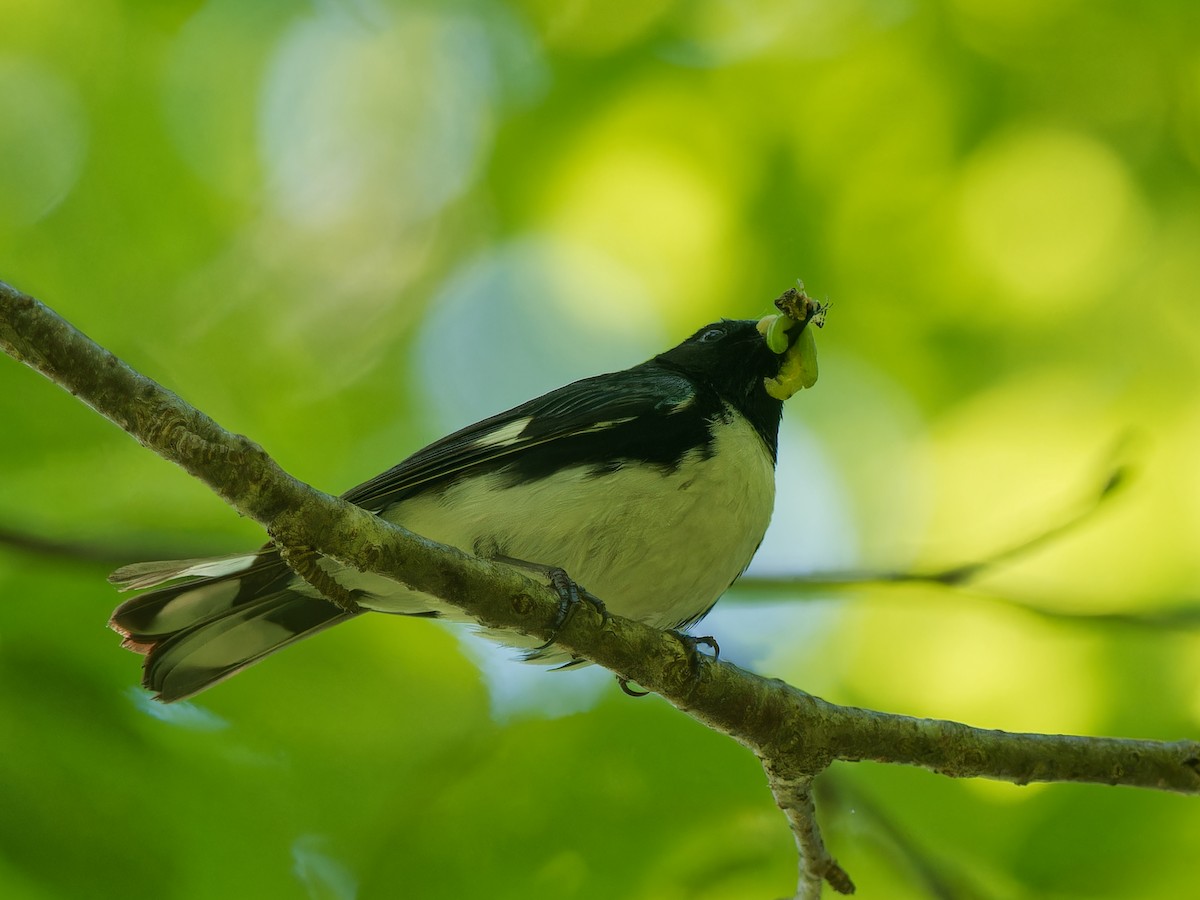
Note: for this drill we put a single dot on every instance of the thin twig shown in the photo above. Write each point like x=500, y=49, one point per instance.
x=793, y=794
x=87, y=552
x=1115, y=477
x=1181, y=615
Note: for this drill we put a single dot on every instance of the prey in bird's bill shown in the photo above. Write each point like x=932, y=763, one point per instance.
x=650, y=487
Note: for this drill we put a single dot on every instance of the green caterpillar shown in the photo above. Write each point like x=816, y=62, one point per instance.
x=799, y=367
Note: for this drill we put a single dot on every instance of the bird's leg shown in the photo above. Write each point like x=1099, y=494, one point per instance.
x=305, y=562
x=570, y=595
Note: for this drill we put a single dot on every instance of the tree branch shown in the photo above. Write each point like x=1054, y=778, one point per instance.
x=793, y=794
x=1116, y=476
x=795, y=735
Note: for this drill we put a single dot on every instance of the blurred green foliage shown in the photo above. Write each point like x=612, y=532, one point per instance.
x=345, y=226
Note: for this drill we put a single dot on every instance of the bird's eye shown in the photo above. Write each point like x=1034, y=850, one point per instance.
x=712, y=334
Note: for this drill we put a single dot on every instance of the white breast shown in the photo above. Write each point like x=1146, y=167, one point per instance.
x=658, y=548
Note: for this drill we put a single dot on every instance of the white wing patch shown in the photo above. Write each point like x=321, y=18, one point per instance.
x=505, y=435
x=511, y=434
x=601, y=426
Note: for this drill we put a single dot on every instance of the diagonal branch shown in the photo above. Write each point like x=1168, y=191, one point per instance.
x=1115, y=477
x=795, y=735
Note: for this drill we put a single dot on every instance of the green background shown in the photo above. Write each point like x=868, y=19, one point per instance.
x=345, y=227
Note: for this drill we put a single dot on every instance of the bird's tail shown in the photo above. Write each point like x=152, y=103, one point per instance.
x=230, y=613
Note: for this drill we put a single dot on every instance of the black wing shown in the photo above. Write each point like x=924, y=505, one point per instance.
x=576, y=423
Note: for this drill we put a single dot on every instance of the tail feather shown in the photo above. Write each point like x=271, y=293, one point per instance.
x=152, y=574
x=212, y=588
x=230, y=614
x=193, y=659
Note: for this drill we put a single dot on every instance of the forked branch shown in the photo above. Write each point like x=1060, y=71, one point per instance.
x=794, y=734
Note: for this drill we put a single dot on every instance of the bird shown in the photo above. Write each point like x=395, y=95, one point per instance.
x=651, y=488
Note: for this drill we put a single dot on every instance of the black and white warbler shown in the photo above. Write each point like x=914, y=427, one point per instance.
x=651, y=487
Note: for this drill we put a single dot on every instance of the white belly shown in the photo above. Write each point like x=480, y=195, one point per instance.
x=657, y=548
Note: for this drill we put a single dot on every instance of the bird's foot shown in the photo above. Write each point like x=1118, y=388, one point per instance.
x=570, y=597
x=691, y=647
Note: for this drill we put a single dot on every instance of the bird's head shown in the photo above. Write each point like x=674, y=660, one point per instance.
x=755, y=363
